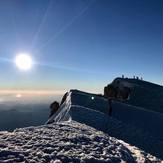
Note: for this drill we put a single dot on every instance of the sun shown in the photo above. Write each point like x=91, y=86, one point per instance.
x=23, y=61
x=18, y=95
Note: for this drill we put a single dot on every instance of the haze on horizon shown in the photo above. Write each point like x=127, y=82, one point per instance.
x=79, y=44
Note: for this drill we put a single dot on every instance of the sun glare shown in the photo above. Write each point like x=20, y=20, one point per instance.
x=18, y=95
x=23, y=61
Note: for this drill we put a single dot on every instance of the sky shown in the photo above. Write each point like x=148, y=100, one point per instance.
x=79, y=44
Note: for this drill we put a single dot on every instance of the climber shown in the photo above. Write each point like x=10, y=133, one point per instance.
x=116, y=92
x=110, y=93
x=54, y=108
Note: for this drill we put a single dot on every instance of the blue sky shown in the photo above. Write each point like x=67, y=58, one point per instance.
x=80, y=44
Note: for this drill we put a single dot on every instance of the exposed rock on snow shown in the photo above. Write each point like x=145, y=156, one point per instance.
x=144, y=94
x=66, y=142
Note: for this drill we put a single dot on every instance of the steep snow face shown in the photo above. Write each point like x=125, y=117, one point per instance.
x=127, y=122
x=63, y=112
x=66, y=142
x=80, y=106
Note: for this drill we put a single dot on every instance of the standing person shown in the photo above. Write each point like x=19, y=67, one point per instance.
x=54, y=108
x=110, y=93
x=116, y=92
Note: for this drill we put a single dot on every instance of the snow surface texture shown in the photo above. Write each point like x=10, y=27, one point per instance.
x=66, y=142
x=134, y=125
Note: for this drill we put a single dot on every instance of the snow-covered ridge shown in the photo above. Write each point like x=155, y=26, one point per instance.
x=81, y=132
x=127, y=122
x=66, y=142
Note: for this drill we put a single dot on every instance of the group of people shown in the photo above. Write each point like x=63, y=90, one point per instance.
x=134, y=77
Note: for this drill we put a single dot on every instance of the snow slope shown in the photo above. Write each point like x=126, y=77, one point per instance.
x=134, y=125
x=81, y=132
x=66, y=142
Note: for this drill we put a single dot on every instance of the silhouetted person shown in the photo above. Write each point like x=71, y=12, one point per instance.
x=54, y=108
x=116, y=92
x=110, y=93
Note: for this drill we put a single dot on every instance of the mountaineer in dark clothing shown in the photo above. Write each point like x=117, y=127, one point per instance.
x=110, y=93
x=115, y=92
x=54, y=108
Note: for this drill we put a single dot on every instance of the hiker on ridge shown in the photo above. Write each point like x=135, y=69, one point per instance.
x=116, y=92
x=54, y=108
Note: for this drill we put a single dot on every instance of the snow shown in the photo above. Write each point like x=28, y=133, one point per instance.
x=66, y=142
x=134, y=125
x=81, y=131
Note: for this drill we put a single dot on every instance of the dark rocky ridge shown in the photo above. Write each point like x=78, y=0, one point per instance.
x=145, y=94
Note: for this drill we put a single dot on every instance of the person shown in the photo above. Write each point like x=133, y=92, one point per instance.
x=110, y=93
x=54, y=108
x=115, y=92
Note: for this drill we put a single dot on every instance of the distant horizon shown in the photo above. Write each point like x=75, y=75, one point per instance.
x=63, y=45
x=19, y=93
